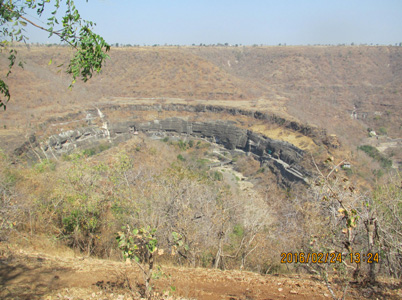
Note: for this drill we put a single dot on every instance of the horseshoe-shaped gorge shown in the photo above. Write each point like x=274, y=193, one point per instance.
x=282, y=158
x=248, y=154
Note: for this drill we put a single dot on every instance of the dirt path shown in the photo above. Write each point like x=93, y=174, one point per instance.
x=31, y=275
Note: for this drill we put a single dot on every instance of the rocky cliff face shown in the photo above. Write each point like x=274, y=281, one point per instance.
x=282, y=157
x=227, y=134
x=305, y=129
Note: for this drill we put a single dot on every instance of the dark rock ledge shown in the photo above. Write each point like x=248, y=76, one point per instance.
x=282, y=157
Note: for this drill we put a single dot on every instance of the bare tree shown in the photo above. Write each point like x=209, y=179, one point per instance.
x=386, y=224
x=11, y=210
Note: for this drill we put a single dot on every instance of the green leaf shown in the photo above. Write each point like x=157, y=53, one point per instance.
x=6, y=93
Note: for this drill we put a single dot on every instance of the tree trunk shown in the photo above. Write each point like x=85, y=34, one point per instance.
x=370, y=227
x=218, y=254
x=149, y=277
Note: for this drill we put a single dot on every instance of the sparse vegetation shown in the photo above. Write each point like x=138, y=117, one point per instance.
x=218, y=176
x=140, y=246
x=382, y=130
x=375, y=154
x=10, y=209
x=171, y=191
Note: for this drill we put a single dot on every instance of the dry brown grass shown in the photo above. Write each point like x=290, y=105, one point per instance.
x=283, y=134
x=318, y=85
x=314, y=85
x=35, y=274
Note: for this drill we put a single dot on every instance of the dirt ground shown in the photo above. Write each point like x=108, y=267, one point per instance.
x=29, y=274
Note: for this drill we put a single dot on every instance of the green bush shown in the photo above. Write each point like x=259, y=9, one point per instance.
x=238, y=230
x=378, y=173
x=207, y=259
x=80, y=226
x=369, y=150
x=104, y=147
x=375, y=154
x=203, y=162
x=382, y=130
x=191, y=143
x=45, y=165
x=202, y=145
x=89, y=152
x=10, y=177
x=182, y=145
x=218, y=176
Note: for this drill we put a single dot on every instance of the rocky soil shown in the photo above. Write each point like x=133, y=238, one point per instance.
x=36, y=274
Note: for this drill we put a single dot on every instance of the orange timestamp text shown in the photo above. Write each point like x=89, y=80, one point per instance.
x=314, y=257
x=324, y=258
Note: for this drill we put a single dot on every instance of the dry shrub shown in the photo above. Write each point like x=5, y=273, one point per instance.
x=387, y=210
x=12, y=207
x=247, y=166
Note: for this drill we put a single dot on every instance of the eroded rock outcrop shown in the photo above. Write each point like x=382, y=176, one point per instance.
x=305, y=129
x=281, y=156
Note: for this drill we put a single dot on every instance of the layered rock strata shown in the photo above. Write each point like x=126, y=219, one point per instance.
x=282, y=157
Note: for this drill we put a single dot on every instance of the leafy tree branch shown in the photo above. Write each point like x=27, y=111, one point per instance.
x=90, y=48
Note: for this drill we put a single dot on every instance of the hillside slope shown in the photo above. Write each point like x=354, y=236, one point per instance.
x=33, y=274
x=343, y=89
x=325, y=85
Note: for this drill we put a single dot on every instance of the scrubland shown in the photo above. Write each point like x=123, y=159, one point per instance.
x=199, y=232
x=82, y=201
